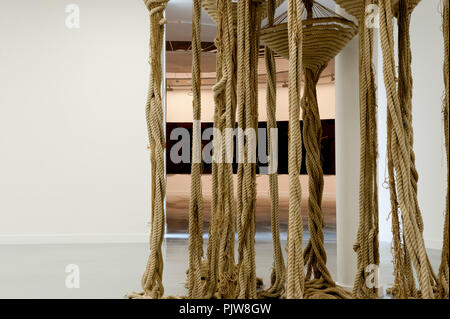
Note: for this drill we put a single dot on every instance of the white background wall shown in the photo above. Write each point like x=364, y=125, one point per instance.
x=73, y=158
x=427, y=60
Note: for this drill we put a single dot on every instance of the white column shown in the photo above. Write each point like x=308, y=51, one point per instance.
x=347, y=159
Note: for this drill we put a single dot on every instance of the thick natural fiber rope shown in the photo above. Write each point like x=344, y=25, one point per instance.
x=248, y=22
x=295, y=275
x=221, y=271
x=443, y=288
x=366, y=245
x=404, y=269
x=278, y=275
x=195, y=283
x=319, y=283
x=323, y=39
x=227, y=268
x=401, y=157
x=404, y=284
x=152, y=278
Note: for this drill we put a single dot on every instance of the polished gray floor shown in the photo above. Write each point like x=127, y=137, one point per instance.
x=112, y=270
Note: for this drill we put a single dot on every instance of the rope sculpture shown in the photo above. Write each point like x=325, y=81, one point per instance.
x=152, y=279
x=310, y=38
x=324, y=35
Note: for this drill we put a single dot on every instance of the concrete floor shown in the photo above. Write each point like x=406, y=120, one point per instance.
x=112, y=270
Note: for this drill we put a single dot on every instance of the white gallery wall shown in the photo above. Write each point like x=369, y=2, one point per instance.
x=427, y=64
x=73, y=158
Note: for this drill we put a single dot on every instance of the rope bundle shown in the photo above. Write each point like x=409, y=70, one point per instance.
x=278, y=275
x=221, y=280
x=237, y=45
x=248, y=22
x=295, y=276
x=322, y=38
x=152, y=278
x=366, y=246
x=195, y=283
x=402, y=161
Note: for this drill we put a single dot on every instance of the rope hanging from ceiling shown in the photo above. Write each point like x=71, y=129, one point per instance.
x=278, y=275
x=152, y=278
x=310, y=38
x=324, y=34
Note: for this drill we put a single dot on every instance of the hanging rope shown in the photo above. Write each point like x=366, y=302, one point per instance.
x=248, y=24
x=221, y=282
x=195, y=282
x=278, y=275
x=227, y=267
x=152, y=278
x=401, y=158
x=443, y=288
x=404, y=285
x=402, y=261
x=295, y=276
x=318, y=281
x=366, y=245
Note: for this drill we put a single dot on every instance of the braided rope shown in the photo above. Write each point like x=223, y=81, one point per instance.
x=366, y=245
x=196, y=200
x=221, y=268
x=152, y=277
x=444, y=267
x=278, y=275
x=295, y=276
x=248, y=22
x=401, y=158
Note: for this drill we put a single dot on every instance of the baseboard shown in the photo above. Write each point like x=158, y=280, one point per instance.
x=40, y=239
